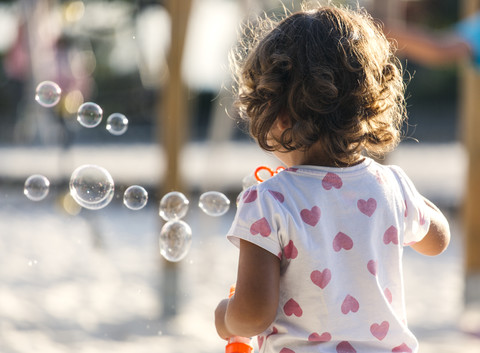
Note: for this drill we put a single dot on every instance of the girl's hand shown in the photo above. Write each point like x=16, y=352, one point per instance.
x=220, y=319
x=438, y=236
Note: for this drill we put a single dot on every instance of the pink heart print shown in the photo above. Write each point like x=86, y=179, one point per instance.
x=286, y=350
x=274, y=332
x=345, y=347
x=379, y=331
x=379, y=176
x=391, y=236
x=290, y=251
x=311, y=217
x=388, y=295
x=422, y=219
x=277, y=195
x=324, y=337
x=331, y=180
x=249, y=196
x=403, y=348
x=342, y=241
x=350, y=304
x=367, y=207
x=291, y=307
x=372, y=266
x=321, y=278
x=260, y=227
x=260, y=340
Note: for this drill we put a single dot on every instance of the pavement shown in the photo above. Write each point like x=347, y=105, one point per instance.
x=85, y=281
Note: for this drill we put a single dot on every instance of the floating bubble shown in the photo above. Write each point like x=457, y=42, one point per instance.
x=92, y=186
x=173, y=205
x=214, y=203
x=248, y=181
x=239, y=197
x=36, y=187
x=175, y=240
x=117, y=124
x=89, y=114
x=48, y=94
x=135, y=197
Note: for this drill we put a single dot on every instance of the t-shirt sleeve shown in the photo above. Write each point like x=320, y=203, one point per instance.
x=258, y=220
x=469, y=30
x=416, y=212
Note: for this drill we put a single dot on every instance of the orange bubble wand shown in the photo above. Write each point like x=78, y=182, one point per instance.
x=267, y=169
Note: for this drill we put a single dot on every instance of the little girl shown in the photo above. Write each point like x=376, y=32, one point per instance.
x=320, y=263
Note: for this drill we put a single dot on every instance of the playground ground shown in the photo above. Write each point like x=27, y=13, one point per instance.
x=92, y=282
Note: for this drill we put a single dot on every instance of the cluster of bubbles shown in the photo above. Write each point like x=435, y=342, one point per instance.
x=89, y=114
x=176, y=235
x=92, y=187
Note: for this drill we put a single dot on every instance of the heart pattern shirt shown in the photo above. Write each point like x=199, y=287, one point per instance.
x=339, y=233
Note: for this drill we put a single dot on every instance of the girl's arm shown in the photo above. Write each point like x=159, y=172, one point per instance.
x=438, y=236
x=254, y=306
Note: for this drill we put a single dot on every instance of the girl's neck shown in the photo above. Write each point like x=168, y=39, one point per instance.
x=334, y=163
x=316, y=156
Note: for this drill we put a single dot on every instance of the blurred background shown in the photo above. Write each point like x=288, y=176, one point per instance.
x=78, y=280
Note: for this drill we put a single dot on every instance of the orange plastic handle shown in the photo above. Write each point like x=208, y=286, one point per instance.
x=238, y=347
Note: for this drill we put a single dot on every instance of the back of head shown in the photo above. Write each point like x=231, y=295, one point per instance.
x=332, y=71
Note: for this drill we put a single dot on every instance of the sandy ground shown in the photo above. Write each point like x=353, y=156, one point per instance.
x=94, y=282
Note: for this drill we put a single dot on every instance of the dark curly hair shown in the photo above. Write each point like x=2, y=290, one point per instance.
x=335, y=75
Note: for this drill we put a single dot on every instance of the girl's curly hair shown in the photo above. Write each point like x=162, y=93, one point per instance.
x=332, y=71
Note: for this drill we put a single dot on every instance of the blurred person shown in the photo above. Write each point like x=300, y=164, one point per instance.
x=321, y=243
x=431, y=48
x=16, y=65
x=16, y=62
x=42, y=52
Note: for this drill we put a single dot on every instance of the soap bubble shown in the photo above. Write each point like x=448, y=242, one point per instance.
x=248, y=181
x=173, y=205
x=214, y=203
x=117, y=124
x=92, y=186
x=175, y=240
x=89, y=114
x=48, y=94
x=135, y=197
x=36, y=187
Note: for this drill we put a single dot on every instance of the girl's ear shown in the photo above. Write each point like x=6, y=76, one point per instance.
x=283, y=122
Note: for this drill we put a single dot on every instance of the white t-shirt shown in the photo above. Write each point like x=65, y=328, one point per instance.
x=339, y=233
